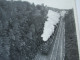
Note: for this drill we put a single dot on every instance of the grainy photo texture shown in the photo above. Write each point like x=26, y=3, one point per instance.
x=37, y=30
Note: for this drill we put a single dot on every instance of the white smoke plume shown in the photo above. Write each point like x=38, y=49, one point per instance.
x=53, y=19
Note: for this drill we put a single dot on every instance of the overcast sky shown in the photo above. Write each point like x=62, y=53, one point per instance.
x=61, y=4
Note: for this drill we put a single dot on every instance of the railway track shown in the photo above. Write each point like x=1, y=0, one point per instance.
x=58, y=50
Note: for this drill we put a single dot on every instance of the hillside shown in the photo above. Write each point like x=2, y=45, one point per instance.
x=71, y=47
x=19, y=31
x=21, y=26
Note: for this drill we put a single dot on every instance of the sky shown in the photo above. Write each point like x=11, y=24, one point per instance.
x=78, y=11
x=61, y=4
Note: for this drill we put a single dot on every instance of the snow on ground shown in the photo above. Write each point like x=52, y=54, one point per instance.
x=53, y=19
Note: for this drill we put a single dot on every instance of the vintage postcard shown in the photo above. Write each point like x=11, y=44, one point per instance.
x=38, y=30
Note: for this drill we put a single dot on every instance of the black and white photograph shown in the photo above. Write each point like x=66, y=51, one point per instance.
x=38, y=30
